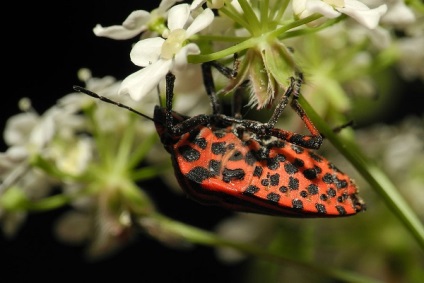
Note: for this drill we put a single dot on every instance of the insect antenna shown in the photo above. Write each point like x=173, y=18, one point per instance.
x=105, y=99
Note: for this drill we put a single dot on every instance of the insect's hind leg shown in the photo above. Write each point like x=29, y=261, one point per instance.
x=314, y=140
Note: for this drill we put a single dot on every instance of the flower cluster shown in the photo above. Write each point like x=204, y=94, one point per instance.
x=92, y=156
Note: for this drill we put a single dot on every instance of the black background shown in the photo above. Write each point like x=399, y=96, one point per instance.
x=44, y=45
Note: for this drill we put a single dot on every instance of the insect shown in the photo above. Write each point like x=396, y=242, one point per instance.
x=249, y=166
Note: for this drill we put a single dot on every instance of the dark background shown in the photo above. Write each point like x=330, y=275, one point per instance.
x=45, y=45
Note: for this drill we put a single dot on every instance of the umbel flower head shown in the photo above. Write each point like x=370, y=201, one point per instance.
x=257, y=33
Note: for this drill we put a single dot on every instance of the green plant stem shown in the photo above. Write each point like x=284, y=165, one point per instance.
x=372, y=174
x=199, y=236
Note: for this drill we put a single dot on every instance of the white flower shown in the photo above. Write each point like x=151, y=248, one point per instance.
x=214, y=4
x=411, y=57
x=398, y=14
x=159, y=56
x=334, y=8
x=136, y=23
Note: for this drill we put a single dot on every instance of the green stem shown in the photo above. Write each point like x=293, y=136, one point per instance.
x=48, y=203
x=249, y=43
x=199, y=236
x=374, y=175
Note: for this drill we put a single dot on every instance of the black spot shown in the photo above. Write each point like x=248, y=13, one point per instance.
x=189, y=153
x=297, y=204
x=262, y=153
x=251, y=190
x=272, y=163
x=312, y=189
x=297, y=149
x=333, y=167
x=340, y=183
x=219, y=134
x=280, y=157
x=327, y=178
x=198, y=174
x=298, y=162
x=214, y=167
x=317, y=169
x=343, y=197
x=231, y=146
x=201, y=142
x=304, y=194
x=320, y=208
x=315, y=157
x=265, y=182
x=273, y=197
x=258, y=171
x=310, y=174
x=293, y=183
x=218, y=148
x=290, y=168
x=331, y=192
x=283, y=189
x=323, y=197
x=250, y=158
x=341, y=210
x=275, y=179
x=237, y=155
x=231, y=174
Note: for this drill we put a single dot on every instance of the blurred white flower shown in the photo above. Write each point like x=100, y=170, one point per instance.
x=411, y=57
x=335, y=8
x=243, y=228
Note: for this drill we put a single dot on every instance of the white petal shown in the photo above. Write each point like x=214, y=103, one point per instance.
x=399, y=15
x=114, y=32
x=298, y=6
x=18, y=128
x=361, y=13
x=137, y=19
x=146, y=51
x=135, y=23
x=181, y=57
x=166, y=4
x=200, y=22
x=322, y=8
x=140, y=83
x=178, y=16
x=15, y=154
x=196, y=4
x=43, y=132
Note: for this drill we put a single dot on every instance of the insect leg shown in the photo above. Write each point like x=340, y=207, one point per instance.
x=314, y=140
x=209, y=82
x=293, y=88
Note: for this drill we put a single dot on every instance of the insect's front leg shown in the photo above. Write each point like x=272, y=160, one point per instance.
x=209, y=82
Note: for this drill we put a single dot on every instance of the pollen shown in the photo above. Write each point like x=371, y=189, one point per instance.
x=173, y=44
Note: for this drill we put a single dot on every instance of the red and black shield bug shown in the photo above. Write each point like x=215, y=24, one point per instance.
x=248, y=166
